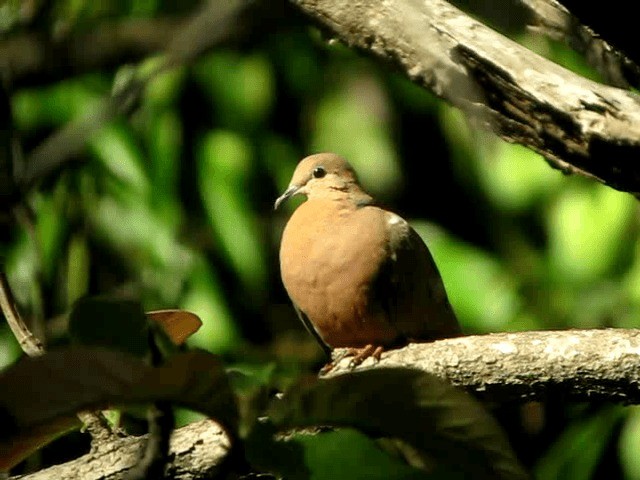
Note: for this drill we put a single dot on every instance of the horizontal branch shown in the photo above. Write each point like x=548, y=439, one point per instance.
x=578, y=365
x=196, y=451
x=580, y=126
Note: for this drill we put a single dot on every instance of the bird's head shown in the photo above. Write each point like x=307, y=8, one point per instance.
x=319, y=174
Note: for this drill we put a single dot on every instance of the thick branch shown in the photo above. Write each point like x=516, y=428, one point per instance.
x=553, y=20
x=580, y=126
x=579, y=365
x=196, y=451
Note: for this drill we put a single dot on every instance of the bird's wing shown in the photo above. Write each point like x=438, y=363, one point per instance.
x=312, y=330
x=410, y=287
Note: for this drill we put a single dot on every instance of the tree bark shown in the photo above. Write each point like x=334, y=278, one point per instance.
x=196, y=452
x=578, y=125
x=577, y=365
x=572, y=365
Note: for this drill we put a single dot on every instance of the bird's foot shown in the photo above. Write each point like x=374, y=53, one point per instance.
x=359, y=354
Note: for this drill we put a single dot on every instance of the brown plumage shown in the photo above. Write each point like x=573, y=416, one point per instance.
x=359, y=276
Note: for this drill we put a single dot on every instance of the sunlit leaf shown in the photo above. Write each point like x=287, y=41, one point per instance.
x=514, y=177
x=51, y=227
x=165, y=88
x=177, y=324
x=117, y=151
x=55, y=105
x=588, y=228
x=413, y=406
x=9, y=347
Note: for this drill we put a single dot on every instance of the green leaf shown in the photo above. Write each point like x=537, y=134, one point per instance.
x=204, y=296
x=350, y=454
x=589, y=226
x=576, y=453
x=489, y=302
x=241, y=87
x=629, y=444
x=266, y=454
x=413, y=406
x=117, y=324
x=224, y=167
x=117, y=151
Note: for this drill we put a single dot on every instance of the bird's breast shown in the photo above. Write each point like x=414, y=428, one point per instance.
x=329, y=258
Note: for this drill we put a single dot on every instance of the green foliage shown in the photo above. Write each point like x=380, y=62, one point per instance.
x=174, y=205
x=576, y=453
x=415, y=407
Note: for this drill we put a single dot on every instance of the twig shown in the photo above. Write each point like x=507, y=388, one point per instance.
x=156, y=454
x=161, y=423
x=27, y=341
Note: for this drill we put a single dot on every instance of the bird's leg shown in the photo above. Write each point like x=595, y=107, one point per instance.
x=359, y=354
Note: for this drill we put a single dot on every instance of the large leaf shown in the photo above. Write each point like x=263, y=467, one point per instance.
x=41, y=391
x=114, y=323
x=413, y=406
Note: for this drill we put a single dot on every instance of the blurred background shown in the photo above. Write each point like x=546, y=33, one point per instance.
x=173, y=203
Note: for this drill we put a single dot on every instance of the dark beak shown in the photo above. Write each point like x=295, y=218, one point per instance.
x=289, y=192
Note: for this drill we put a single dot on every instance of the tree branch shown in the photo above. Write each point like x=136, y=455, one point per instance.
x=579, y=365
x=580, y=126
x=556, y=22
x=196, y=452
x=576, y=365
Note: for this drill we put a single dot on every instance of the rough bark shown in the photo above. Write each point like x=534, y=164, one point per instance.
x=580, y=126
x=577, y=365
x=196, y=452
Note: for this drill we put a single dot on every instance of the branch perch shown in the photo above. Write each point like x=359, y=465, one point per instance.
x=579, y=365
x=196, y=452
x=580, y=126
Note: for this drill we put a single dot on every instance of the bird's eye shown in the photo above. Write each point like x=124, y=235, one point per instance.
x=319, y=172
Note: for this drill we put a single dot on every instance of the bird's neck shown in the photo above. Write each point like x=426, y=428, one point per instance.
x=349, y=194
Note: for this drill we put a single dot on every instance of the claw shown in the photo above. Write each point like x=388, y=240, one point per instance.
x=359, y=354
